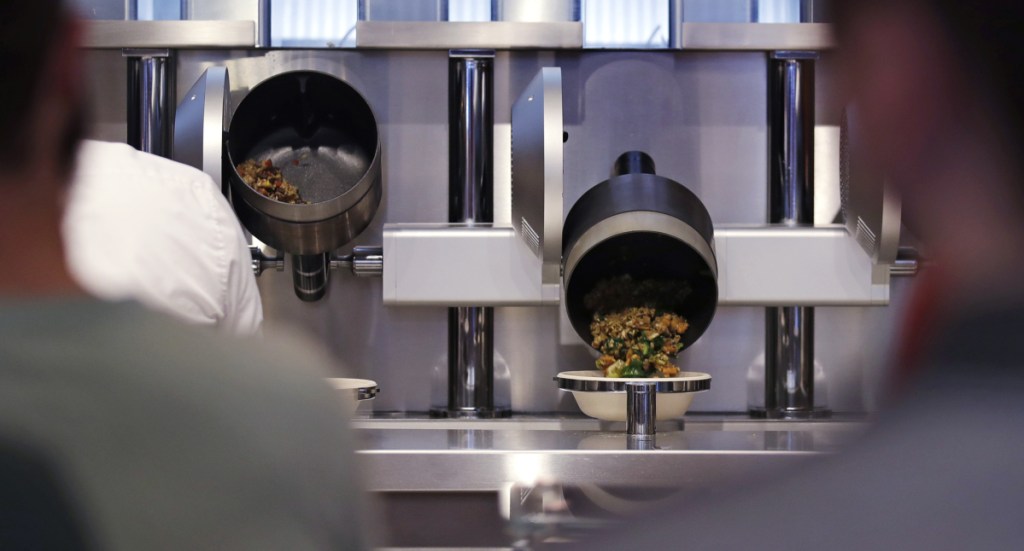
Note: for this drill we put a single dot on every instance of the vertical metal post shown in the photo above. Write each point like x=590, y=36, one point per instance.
x=789, y=330
x=471, y=185
x=149, y=104
x=310, y=274
x=641, y=409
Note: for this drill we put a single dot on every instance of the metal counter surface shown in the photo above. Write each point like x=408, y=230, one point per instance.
x=420, y=454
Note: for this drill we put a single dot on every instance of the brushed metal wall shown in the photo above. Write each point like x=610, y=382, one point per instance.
x=701, y=116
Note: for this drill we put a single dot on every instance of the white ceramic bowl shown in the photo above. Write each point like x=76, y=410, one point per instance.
x=355, y=391
x=605, y=398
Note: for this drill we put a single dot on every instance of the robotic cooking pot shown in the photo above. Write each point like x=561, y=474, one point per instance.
x=645, y=226
x=323, y=136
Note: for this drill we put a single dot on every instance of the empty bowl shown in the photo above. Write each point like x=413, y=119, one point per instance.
x=356, y=391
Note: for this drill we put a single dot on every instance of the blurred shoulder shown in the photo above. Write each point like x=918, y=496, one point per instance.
x=123, y=345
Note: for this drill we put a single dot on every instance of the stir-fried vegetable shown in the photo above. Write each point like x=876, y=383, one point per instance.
x=268, y=181
x=638, y=342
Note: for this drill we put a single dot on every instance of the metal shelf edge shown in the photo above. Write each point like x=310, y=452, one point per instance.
x=440, y=35
x=170, y=34
x=754, y=36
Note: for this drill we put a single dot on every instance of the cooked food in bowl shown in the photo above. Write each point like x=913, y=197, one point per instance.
x=268, y=181
x=637, y=340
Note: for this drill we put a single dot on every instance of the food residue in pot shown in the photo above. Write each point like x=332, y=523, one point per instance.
x=267, y=180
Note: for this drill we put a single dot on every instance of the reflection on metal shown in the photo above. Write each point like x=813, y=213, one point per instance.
x=789, y=330
x=791, y=138
x=502, y=35
x=533, y=512
x=712, y=11
x=752, y=36
x=537, y=151
x=262, y=262
x=149, y=88
x=535, y=10
x=471, y=200
x=199, y=124
x=798, y=266
x=170, y=34
x=402, y=10
x=257, y=11
x=491, y=455
x=471, y=136
x=367, y=261
x=789, y=362
x=641, y=409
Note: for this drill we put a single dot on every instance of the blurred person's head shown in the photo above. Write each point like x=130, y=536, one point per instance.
x=932, y=82
x=41, y=120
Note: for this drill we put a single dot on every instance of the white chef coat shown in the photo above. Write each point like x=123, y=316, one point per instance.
x=141, y=227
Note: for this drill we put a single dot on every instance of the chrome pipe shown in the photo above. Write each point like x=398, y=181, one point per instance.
x=471, y=136
x=310, y=275
x=641, y=409
x=367, y=261
x=789, y=362
x=261, y=262
x=471, y=187
x=789, y=331
x=263, y=24
x=470, y=362
x=791, y=139
x=149, y=89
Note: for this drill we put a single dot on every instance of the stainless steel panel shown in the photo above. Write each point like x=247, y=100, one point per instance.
x=752, y=36
x=257, y=11
x=463, y=34
x=535, y=10
x=199, y=124
x=169, y=34
x=461, y=265
x=713, y=11
x=403, y=10
x=537, y=169
x=446, y=456
x=800, y=266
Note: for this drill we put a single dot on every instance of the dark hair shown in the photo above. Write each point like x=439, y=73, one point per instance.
x=987, y=37
x=28, y=29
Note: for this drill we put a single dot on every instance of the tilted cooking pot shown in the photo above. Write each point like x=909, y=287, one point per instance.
x=647, y=227
x=323, y=136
